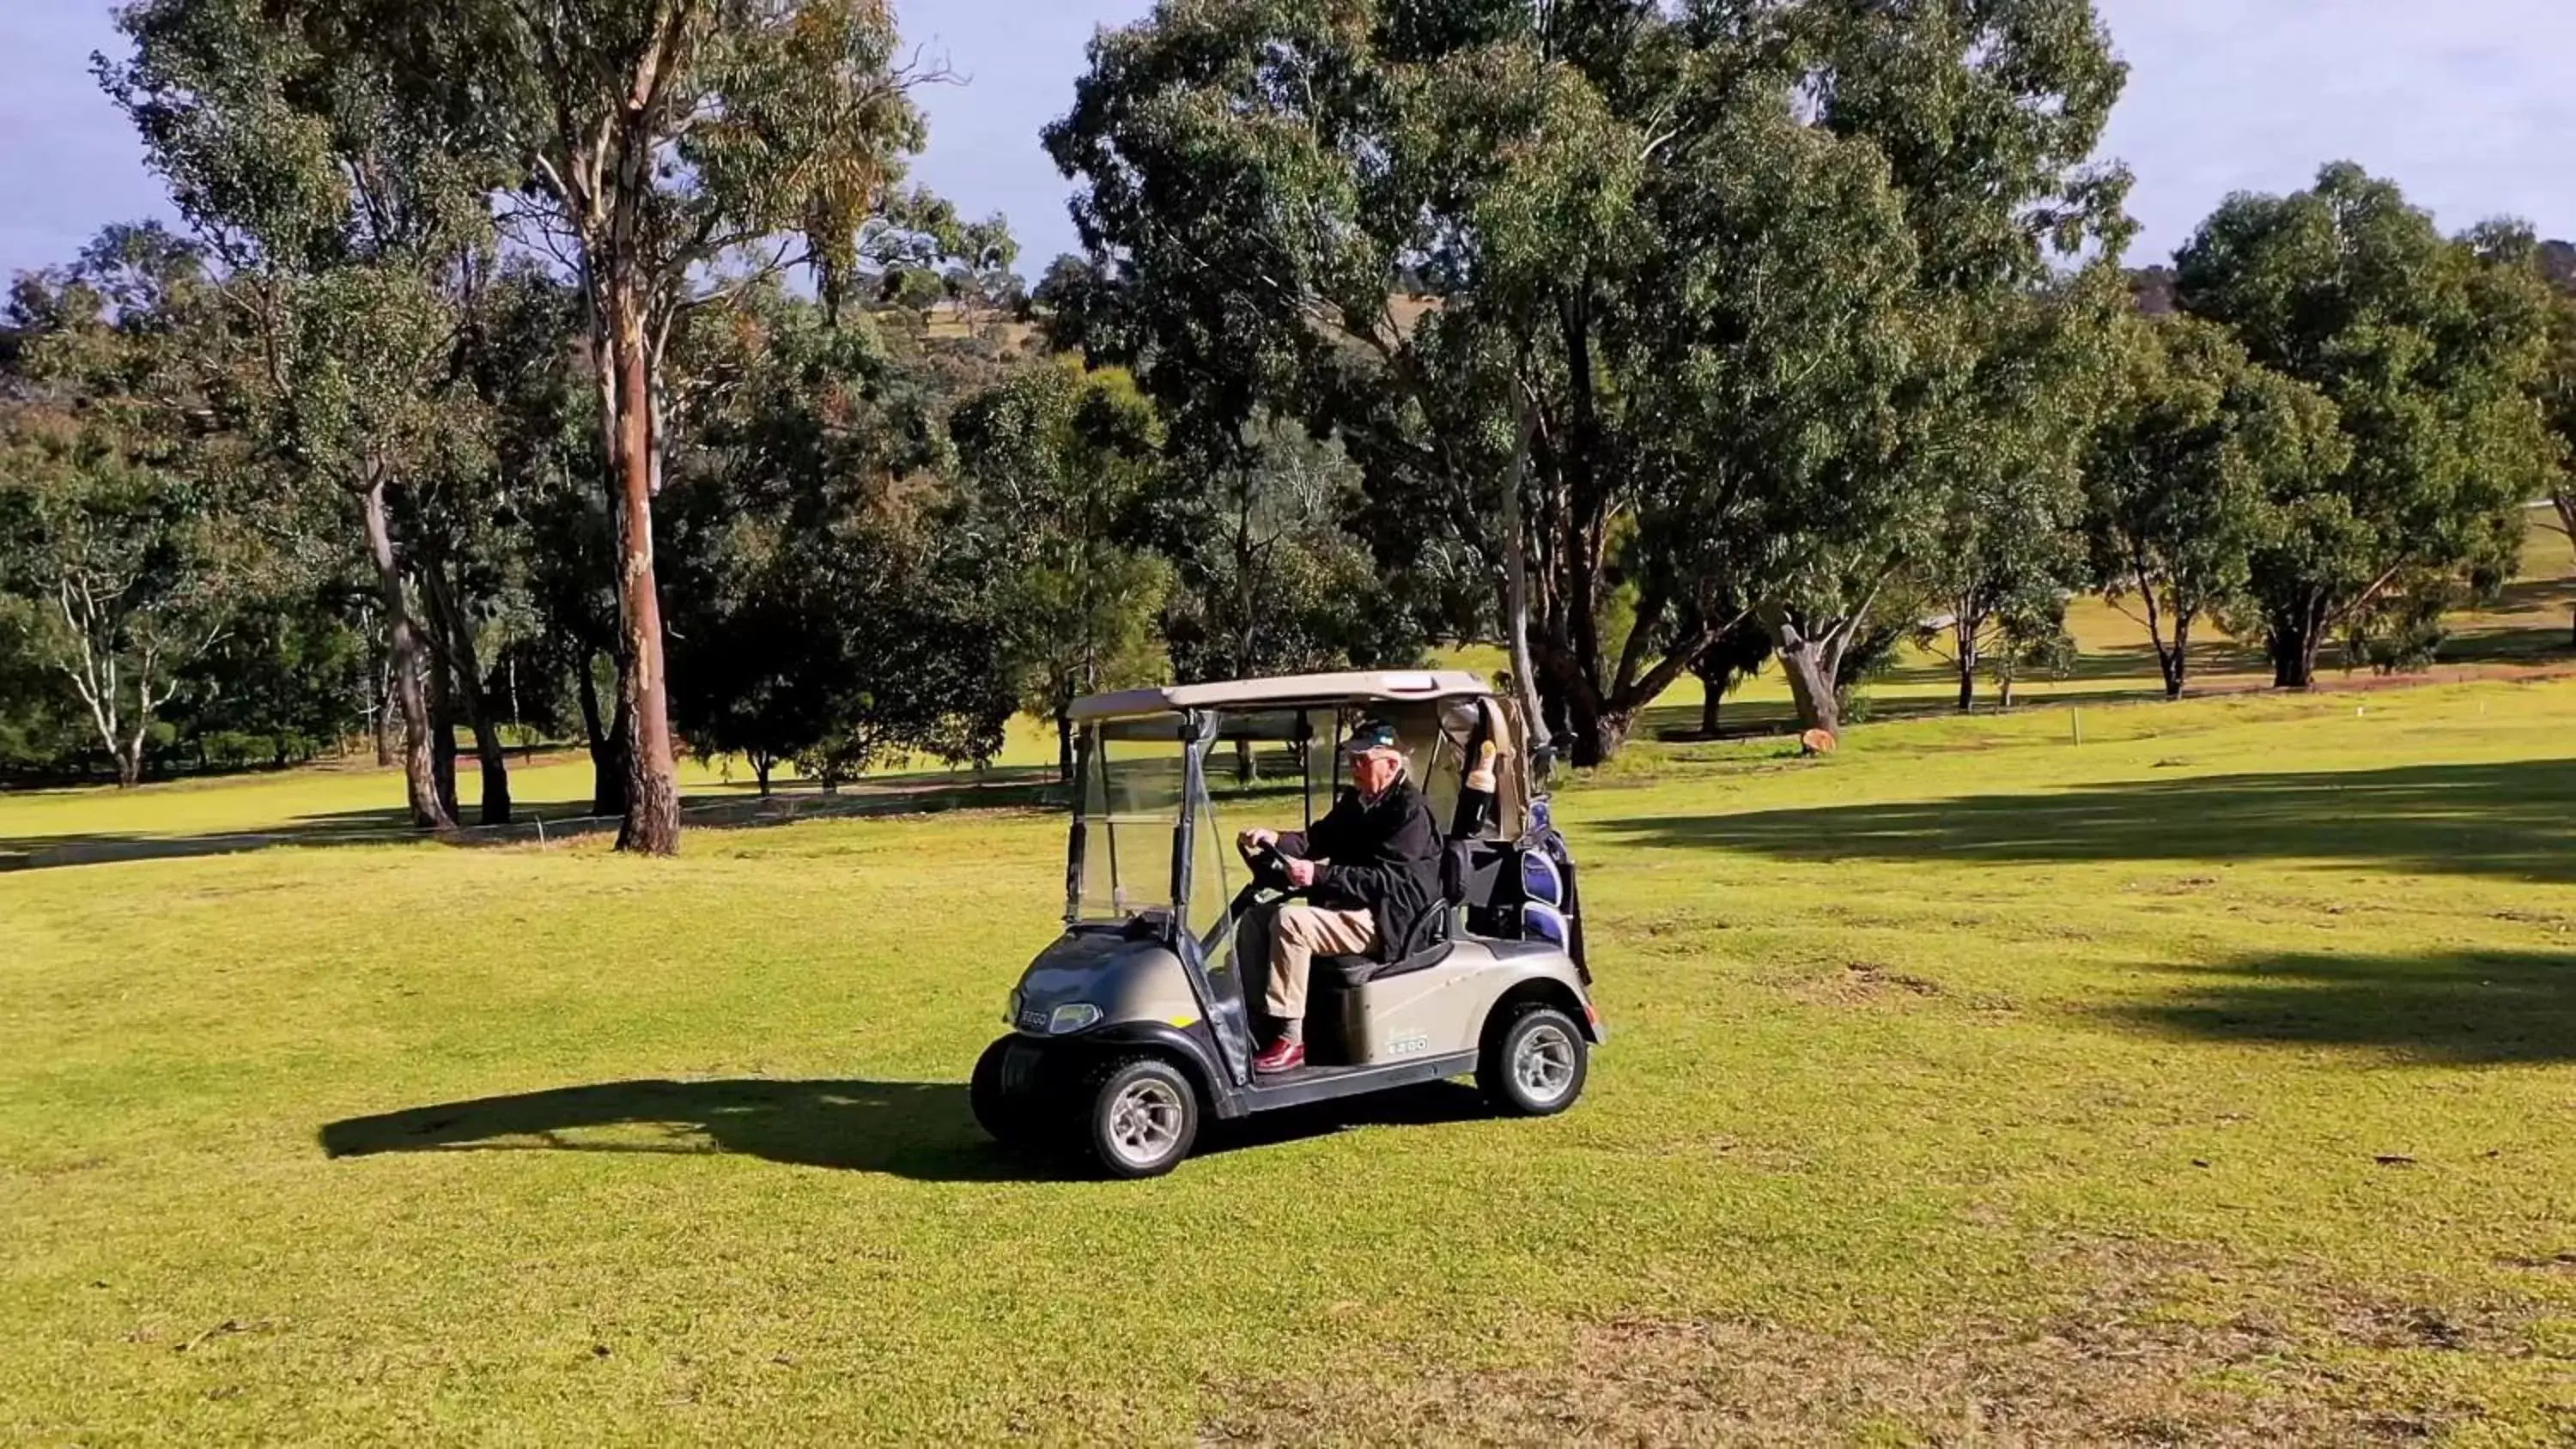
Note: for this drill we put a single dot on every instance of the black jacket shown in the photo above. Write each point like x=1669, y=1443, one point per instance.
x=1385, y=860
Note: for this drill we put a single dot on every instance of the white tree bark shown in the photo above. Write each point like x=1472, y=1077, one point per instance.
x=1516, y=573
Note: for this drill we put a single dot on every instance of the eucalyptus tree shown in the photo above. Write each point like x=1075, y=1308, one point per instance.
x=1061, y=462
x=2430, y=349
x=338, y=213
x=2556, y=263
x=1266, y=580
x=121, y=534
x=829, y=607
x=2560, y=397
x=1738, y=654
x=2008, y=546
x=514, y=349
x=667, y=151
x=1701, y=275
x=1879, y=344
x=2194, y=459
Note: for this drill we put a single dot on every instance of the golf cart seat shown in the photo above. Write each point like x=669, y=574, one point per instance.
x=1349, y=973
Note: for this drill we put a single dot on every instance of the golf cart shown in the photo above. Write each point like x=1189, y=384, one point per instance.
x=1139, y=1021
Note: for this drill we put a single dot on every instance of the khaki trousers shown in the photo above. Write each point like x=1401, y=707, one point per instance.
x=1297, y=934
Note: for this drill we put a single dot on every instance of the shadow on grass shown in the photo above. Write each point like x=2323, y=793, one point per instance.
x=920, y=1130
x=2464, y=1007
x=885, y=795
x=2516, y=820
x=924, y=1131
x=1430, y=1104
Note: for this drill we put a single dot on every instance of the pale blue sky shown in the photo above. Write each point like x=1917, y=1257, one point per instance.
x=2469, y=104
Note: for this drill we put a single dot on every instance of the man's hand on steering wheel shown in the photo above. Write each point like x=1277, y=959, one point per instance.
x=1279, y=872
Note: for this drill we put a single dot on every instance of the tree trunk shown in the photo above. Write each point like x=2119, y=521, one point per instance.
x=466, y=676
x=1064, y=744
x=1610, y=732
x=1516, y=607
x=761, y=765
x=94, y=675
x=387, y=714
x=1712, y=693
x=2004, y=685
x=607, y=745
x=2175, y=662
x=494, y=762
x=1963, y=634
x=2294, y=642
x=1586, y=723
x=652, y=817
x=2566, y=503
x=442, y=733
x=1810, y=664
x=403, y=654
x=1556, y=720
x=143, y=722
x=1811, y=684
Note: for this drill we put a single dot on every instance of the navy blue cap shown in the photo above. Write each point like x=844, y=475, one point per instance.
x=1372, y=734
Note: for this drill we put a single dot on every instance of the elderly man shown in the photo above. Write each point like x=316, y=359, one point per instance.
x=1371, y=870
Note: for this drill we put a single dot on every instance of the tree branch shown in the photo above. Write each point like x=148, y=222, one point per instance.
x=2363, y=599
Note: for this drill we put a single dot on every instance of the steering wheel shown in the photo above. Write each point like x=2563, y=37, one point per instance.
x=1269, y=870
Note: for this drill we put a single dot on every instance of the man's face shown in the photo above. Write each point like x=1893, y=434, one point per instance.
x=1374, y=771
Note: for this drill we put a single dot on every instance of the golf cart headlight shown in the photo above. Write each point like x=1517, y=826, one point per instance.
x=1073, y=1017
x=1011, y=1008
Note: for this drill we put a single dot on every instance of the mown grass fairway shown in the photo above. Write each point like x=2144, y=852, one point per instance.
x=2211, y=1080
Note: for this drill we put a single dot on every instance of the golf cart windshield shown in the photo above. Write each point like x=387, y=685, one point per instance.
x=1135, y=774
x=1270, y=767
x=1274, y=764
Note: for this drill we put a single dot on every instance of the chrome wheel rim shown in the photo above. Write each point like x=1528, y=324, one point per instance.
x=1145, y=1122
x=1543, y=1063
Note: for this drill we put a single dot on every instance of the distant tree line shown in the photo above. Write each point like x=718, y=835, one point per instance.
x=597, y=374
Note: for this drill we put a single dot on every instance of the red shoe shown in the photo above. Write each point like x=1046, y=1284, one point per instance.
x=1283, y=1056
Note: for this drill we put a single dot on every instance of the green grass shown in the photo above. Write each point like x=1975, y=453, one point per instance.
x=2210, y=1079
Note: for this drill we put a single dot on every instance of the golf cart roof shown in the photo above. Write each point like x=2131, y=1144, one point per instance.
x=1354, y=687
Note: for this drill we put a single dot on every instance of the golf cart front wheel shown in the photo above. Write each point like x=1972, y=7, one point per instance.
x=1004, y=1114
x=1534, y=1065
x=1144, y=1116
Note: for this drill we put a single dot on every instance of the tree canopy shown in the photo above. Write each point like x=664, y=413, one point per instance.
x=1720, y=260
x=2430, y=350
x=598, y=373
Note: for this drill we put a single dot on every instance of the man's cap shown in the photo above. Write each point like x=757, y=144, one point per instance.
x=1372, y=734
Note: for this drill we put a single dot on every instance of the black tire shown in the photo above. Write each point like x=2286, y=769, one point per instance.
x=1003, y=1114
x=1141, y=1117
x=1533, y=1088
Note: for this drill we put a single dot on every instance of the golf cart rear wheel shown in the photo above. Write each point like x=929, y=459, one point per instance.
x=1144, y=1114
x=1003, y=1114
x=1534, y=1064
